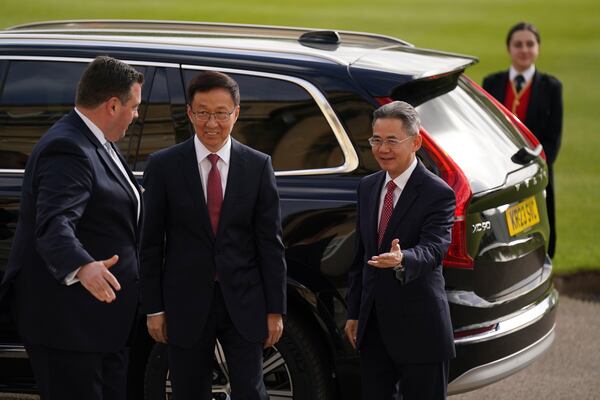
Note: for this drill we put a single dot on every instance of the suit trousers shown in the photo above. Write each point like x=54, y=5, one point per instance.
x=66, y=375
x=385, y=379
x=191, y=368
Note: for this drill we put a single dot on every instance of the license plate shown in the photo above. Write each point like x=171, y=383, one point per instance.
x=522, y=216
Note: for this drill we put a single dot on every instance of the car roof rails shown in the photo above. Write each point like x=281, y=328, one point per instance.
x=303, y=35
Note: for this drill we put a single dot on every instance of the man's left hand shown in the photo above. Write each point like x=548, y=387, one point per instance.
x=388, y=260
x=275, y=326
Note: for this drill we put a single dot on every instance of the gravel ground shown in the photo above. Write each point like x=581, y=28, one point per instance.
x=569, y=370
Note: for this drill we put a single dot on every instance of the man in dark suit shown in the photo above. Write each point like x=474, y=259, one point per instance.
x=212, y=255
x=398, y=314
x=73, y=267
x=534, y=97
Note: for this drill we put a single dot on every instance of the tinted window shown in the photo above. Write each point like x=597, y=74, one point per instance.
x=36, y=94
x=281, y=118
x=473, y=135
x=158, y=129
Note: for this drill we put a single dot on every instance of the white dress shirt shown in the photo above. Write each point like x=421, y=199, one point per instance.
x=527, y=74
x=204, y=164
x=400, y=182
x=71, y=277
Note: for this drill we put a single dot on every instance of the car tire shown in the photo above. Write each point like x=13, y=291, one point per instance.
x=295, y=369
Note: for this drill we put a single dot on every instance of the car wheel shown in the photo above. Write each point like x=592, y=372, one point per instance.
x=292, y=369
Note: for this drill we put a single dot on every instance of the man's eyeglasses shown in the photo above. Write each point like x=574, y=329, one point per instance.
x=221, y=116
x=391, y=143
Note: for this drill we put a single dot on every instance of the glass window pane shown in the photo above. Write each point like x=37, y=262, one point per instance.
x=159, y=130
x=281, y=119
x=473, y=135
x=36, y=95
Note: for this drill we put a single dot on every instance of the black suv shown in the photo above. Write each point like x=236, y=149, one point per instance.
x=307, y=100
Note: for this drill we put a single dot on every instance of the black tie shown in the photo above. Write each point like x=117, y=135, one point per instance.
x=519, y=81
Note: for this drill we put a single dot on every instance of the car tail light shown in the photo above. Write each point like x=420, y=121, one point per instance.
x=383, y=100
x=458, y=256
x=527, y=134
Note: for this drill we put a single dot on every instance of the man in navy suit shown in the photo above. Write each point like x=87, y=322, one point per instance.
x=398, y=315
x=73, y=267
x=212, y=255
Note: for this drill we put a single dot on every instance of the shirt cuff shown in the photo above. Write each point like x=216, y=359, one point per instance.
x=155, y=314
x=71, y=278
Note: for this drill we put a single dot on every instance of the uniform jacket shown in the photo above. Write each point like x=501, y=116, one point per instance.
x=545, y=111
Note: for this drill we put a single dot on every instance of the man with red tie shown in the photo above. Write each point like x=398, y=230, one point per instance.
x=212, y=256
x=398, y=314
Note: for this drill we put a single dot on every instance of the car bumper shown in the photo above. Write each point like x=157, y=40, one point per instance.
x=516, y=341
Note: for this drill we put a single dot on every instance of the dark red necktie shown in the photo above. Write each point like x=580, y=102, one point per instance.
x=386, y=211
x=214, y=192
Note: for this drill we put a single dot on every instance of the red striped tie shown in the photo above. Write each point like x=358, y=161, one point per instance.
x=214, y=192
x=386, y=211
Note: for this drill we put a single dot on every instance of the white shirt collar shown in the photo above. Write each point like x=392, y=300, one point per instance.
x=527, y=74
x=401, y=179
x=202, y=152
x=95, y=130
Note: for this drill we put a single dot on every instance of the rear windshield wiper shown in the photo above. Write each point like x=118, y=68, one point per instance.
x=525, y=155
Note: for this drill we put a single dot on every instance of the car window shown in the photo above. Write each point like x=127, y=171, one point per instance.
x=472, y=135
x=282, y=119
x=35, y=95
x=158, y=130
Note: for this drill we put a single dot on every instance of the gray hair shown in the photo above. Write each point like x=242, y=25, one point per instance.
x=402, y=111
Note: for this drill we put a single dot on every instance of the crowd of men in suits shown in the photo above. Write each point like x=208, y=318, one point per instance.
x=205, y=232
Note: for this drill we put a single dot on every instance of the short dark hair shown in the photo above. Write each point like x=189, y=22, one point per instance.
x=209, y=80
x=523, y=26
x=104, y=78
x=403, y=111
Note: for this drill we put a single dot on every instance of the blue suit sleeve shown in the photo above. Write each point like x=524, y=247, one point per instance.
x=63, y=182
x=434, y=237
x=353, y=297
x=153, y=239
x=267, y=223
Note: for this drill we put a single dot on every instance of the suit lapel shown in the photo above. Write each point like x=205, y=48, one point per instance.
x=534, y=101
x=235, y=182
x=133, y=180
x=119, y=175
x=193, y=182
x=108, y=162
x=407, y=198
x=372, y=207
x=500, y=89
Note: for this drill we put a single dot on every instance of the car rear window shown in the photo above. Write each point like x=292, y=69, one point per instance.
x=474, y=133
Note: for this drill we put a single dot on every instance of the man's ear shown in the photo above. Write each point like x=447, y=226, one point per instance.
x=417, y=142
x=111, y=105
x=236, y=114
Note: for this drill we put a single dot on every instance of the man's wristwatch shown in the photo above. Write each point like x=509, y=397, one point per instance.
x=399, y=271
